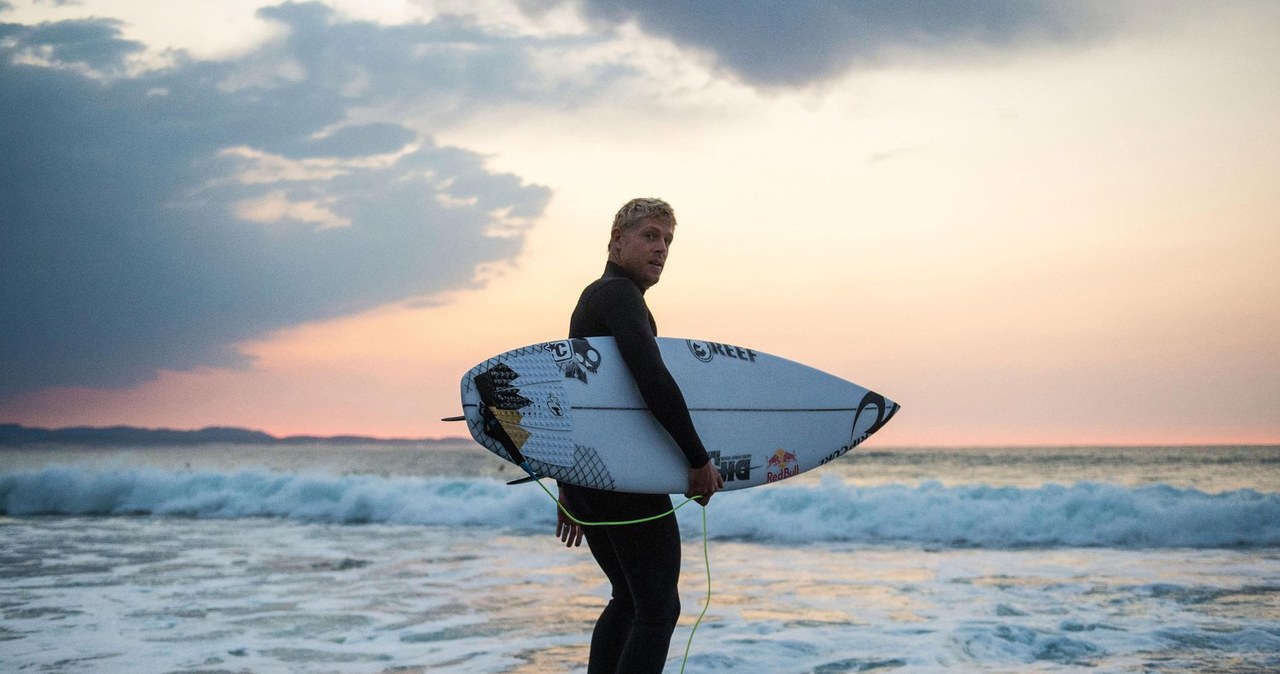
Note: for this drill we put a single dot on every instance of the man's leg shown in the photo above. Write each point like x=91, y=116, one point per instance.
x=649, y=555
x=642, y=562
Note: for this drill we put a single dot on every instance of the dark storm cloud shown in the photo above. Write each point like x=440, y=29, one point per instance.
x=155, y=221
x=771, y=43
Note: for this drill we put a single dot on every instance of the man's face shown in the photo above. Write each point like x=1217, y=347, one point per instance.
x=642, y=250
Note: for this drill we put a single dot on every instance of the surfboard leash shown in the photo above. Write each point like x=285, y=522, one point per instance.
x=706, y=549
x=496, y=428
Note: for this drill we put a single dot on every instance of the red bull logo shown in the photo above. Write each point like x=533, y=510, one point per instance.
x=781, y=465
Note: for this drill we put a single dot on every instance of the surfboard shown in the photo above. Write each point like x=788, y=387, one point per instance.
x=570, y=410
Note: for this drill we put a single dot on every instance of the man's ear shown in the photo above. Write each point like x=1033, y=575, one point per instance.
x=615, y=236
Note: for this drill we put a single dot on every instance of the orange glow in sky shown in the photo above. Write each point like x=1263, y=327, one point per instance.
x=1059, y=243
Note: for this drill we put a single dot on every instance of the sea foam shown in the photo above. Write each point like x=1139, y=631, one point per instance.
x=1080, y=515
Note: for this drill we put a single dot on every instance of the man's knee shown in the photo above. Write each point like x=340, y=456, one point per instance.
x=661, y=611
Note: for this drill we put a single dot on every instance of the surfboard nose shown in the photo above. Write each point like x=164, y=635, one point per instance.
x=874, y=411
x=893, y=409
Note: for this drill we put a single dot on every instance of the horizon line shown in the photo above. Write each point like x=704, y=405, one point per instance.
x=359, y=437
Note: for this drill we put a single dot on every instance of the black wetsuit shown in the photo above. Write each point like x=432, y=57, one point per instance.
x=642, y=561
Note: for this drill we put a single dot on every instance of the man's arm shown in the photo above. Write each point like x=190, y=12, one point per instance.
x=622, y=307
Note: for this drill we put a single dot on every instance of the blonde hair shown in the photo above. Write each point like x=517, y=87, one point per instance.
x=637, y=211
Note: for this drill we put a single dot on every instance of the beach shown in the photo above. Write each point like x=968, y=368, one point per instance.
x=372, y=559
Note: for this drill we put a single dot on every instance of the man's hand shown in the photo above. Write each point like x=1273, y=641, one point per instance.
x=704, y=482
x=568, y=531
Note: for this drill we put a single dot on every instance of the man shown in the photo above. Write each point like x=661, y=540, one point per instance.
x=642, y=561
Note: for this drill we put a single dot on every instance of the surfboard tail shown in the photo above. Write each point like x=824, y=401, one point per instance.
x=499, y=412
x=500, y=425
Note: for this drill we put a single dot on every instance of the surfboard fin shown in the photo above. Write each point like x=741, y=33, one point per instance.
x=458, y=418
x=523, y=480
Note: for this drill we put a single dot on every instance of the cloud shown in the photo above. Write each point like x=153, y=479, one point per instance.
x=154, y=220
x=95, y=44
x=777, y=44
x=155, y=216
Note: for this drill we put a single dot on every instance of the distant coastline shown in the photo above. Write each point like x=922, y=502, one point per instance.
x=17, y=435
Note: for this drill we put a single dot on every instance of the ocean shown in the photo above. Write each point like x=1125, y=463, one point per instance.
x=375, y=559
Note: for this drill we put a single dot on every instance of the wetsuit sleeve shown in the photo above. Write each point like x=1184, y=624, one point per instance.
x=621, y=306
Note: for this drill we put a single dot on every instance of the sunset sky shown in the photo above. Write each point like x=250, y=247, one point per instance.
x=1027, y=222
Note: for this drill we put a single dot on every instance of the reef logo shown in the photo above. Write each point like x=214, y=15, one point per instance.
x=700, y=350
x=707, y=351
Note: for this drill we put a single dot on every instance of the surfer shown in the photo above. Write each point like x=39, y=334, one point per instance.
x=641, y=561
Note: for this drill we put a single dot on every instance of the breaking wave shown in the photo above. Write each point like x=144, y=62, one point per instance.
x=1081, y=515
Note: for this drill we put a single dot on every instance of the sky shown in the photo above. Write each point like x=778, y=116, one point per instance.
x=1027, y=222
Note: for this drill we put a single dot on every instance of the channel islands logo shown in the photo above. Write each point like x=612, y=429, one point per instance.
x=575, y=357
x=700, y=350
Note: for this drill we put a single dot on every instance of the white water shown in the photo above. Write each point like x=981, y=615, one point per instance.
x=324, y=561
x=1084, y=514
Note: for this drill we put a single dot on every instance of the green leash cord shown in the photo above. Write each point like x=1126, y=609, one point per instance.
x=706, y=553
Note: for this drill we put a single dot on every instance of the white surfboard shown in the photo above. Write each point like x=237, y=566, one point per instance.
x=571, y=410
